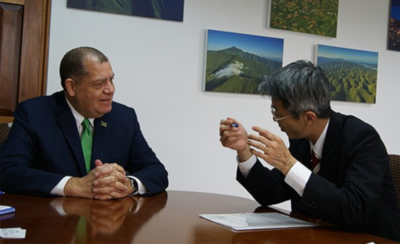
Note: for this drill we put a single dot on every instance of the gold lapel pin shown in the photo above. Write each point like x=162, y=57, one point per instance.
x=104, y=124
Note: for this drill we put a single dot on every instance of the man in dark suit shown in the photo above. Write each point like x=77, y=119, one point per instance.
x=350, y=184
x=43, y=153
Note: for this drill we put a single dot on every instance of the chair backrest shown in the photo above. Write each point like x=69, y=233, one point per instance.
x=4, y=131
x=394, y=162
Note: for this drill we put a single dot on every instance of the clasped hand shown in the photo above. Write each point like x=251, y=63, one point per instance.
x=264, y=145
x=105, y=181
x=110, y=181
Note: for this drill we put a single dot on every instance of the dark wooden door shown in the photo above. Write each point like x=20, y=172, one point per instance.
x=24, y=29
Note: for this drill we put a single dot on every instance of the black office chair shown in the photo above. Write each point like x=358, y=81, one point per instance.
x=4, y=131
x=394, y=162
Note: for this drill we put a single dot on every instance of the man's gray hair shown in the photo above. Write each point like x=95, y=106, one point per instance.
x=301, y=86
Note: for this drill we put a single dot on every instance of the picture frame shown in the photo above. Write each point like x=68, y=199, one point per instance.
x=311, y=17
x=352, y=73
x=394, y=26
x=157, y=9
x=238, y=63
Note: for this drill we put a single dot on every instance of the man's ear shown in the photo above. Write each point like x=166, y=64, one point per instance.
x=310, y=117
x=70, y=86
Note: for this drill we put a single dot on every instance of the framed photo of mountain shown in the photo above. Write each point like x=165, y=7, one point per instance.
x=157, y=9
x=394, y=26
x=237, y=63
x=308, y=16
x=352, y=73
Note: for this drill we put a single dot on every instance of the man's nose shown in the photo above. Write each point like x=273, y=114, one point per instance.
x=109, y=88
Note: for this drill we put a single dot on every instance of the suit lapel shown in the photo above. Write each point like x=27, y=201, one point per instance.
x=67, y=124
x=304, y=153
x=99, y=142
x=329, y=160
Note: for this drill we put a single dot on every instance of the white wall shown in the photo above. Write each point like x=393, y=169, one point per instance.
x=159, y=71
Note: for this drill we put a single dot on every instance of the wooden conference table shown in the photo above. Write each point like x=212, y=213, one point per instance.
x=169, y=217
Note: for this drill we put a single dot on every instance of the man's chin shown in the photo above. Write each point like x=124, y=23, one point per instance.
x=103, y=112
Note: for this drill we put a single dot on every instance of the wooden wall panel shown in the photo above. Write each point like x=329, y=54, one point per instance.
x=11, y=17
x=33, y=46
x=24, y=29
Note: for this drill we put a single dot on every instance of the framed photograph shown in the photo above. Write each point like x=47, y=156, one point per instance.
x=352, y=73
x=394, y=26
x=307, y=16
x=157, y=9
x=237, y=63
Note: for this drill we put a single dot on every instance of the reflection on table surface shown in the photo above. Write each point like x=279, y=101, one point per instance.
x=168, y=217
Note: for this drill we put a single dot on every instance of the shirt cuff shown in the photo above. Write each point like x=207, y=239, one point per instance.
x=246, y=166
x=297, y=177
x=58, y=190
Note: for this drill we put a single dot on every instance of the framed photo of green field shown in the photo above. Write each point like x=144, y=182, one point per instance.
x=156, y=9
x=317, y=17
x=237, y=63
x=352, y=73
x=394, y=26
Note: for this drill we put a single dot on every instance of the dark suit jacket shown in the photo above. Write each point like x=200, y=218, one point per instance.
x=44, y=146
x=354, y=188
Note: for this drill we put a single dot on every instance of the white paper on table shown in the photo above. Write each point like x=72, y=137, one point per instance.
x=12, y=233
x=254, y=221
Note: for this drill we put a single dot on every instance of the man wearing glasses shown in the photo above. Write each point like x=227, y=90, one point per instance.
x=336, y=168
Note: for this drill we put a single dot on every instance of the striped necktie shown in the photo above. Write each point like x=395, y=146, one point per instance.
x=314, y=163
x=87, y=141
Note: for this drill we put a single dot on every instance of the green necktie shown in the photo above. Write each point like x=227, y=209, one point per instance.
x=87, y=141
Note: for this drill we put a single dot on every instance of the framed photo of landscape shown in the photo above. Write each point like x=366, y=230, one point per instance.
x=157, y=9
x=237, y=63
x=312, y=17
x=352, y=73
x=394, y=26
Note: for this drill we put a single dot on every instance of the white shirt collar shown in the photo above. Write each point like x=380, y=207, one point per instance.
x=319, y=145
x=78, y=117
